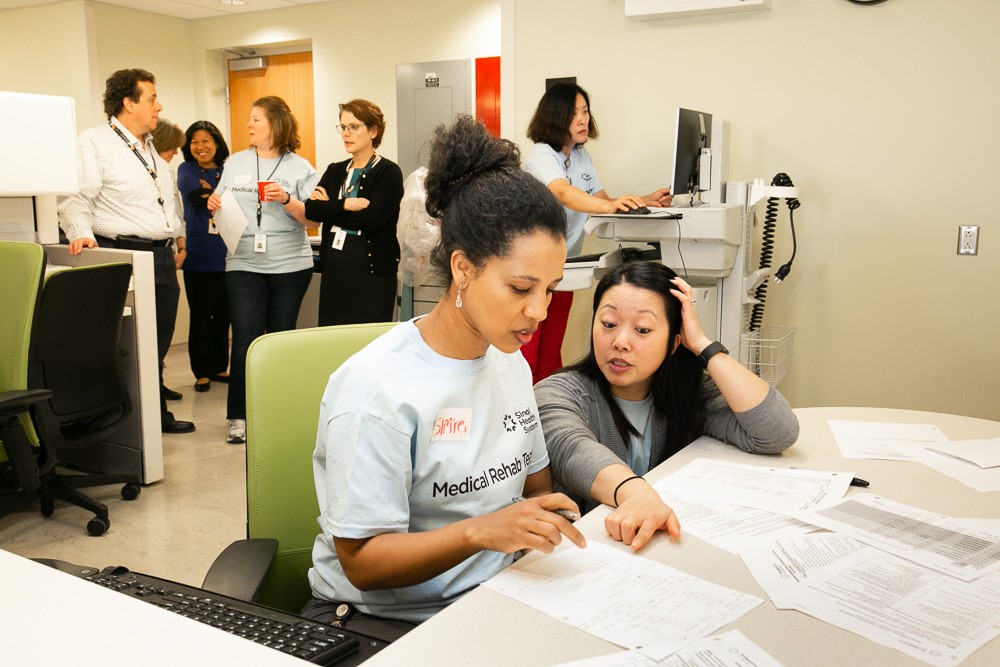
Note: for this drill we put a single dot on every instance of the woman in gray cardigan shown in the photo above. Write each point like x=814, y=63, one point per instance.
x=642, y=393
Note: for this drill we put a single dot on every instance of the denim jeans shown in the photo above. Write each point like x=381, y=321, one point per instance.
x=259, y=303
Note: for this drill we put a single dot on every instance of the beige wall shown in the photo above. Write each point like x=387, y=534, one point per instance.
x=884, y=116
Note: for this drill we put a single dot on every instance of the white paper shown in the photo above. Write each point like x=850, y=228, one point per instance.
x=942, y=543
x=230, y=221
x=887, y=599
x=780, y=566
x=728, y=649
x=773, y=489
x=984, y=453
x=897, y=603
x=623, y=598
x=879, y=440
x=730, y=527
x=984, y=480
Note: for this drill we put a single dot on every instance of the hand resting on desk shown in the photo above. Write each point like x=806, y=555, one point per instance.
x=640, y=512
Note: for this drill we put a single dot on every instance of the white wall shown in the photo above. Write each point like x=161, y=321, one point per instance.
x=49, y=50
x=355, y=52
x=884, y=116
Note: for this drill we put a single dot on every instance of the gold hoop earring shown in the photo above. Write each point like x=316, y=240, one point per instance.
x=458, y=301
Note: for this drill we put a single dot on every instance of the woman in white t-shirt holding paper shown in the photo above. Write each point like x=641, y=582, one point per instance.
x=429, y=435
x=562, y=124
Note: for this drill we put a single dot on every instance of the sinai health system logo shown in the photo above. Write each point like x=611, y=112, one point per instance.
x=524, y=419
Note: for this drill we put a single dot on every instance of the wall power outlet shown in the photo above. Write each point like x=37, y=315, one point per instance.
x=968, y=239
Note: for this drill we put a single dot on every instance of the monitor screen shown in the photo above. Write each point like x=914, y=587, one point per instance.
x=694, y=132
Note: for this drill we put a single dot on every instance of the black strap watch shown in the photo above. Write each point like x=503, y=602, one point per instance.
x=710, y=351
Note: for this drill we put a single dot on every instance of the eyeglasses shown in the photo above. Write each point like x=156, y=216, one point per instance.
x=353, y=127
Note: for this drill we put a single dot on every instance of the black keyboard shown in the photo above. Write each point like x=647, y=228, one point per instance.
x=311, y=641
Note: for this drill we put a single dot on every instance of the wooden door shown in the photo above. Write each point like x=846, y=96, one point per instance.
x=290, y=77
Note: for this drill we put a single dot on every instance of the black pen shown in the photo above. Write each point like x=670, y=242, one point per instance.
x=566, y=514
x=855, y=481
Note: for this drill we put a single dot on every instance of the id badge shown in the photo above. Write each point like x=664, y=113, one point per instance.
x=260, y=242
x=338, y=239
x=212, y=228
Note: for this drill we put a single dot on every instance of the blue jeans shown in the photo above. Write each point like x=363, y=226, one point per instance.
x=259, y=303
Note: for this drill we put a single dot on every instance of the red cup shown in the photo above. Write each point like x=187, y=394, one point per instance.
x=260, y=190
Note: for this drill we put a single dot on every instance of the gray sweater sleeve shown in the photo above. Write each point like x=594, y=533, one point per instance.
x=769, y=428
x=569, y=411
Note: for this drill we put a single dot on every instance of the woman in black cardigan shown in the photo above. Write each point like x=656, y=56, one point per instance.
x=357, y=205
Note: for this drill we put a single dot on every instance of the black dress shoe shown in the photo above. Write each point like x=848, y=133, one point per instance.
x=224, y=379
x=203, y=386
x=170, y=394
x=178, y=426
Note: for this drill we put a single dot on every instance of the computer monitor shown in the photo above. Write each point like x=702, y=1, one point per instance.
x=692, y=136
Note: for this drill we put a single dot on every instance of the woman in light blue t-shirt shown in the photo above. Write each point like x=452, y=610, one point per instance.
x=560, y=127
x=428, y=437
x=269, y=272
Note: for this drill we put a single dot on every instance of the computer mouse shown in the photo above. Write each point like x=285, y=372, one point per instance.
x=642, y=210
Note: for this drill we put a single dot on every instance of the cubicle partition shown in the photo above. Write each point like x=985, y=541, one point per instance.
x=138, y=447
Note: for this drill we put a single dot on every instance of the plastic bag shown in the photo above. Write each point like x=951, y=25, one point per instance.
x=417, y=232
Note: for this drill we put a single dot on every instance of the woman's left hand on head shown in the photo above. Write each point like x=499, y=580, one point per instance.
x=692, y=335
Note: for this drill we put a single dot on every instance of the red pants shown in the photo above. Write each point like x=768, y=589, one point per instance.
x=544, y=352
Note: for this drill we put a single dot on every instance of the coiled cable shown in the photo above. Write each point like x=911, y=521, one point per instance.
x=767, y=248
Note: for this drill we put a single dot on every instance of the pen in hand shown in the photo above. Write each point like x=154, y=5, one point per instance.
x=566, y=514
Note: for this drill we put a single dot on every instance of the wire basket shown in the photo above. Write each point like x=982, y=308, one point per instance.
x=768, y=352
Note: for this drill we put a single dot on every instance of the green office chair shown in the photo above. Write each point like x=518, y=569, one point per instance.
x=21, y=268
x=287, y=373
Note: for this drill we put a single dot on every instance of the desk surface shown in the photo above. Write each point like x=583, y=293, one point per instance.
x=54, y=618
x=487, y=628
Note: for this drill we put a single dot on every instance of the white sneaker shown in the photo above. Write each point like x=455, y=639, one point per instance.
x=237, y=431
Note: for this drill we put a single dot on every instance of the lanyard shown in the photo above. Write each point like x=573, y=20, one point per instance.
x=268, y=178
x=150, y=170
x=348, y=190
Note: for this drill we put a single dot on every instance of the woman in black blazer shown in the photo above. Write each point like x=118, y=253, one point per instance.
x=357, y=204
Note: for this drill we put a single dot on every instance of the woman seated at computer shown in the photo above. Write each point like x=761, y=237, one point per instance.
x=428, y=434
x=562, y=124
x=651, y=383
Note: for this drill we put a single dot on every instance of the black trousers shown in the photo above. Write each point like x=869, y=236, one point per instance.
x=167, y=293
x=208, y=335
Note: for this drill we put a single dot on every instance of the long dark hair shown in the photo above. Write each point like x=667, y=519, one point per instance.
x=676, y=388
x=221, y=148
x=485, y=201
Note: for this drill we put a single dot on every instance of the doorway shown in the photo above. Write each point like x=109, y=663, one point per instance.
x=290, y=77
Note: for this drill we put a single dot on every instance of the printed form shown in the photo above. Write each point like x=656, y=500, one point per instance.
x=890, y=600
x=773, y=489
x=880, y=440
x=729, y=527
x=623, y=598
x=728, y=649
x=938, y=542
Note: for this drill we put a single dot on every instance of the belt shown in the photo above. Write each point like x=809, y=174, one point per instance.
x=136, y=242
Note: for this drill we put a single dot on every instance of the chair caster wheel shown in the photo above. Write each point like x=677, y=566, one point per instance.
x=131, y=491
x=98, y=526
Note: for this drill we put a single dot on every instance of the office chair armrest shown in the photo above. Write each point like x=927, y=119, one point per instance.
x=240, y=569
x=19, y=399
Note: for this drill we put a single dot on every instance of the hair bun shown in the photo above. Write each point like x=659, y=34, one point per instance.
x=459, y=154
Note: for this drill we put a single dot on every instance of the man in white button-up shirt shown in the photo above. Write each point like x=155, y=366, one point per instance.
x=123, y=202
